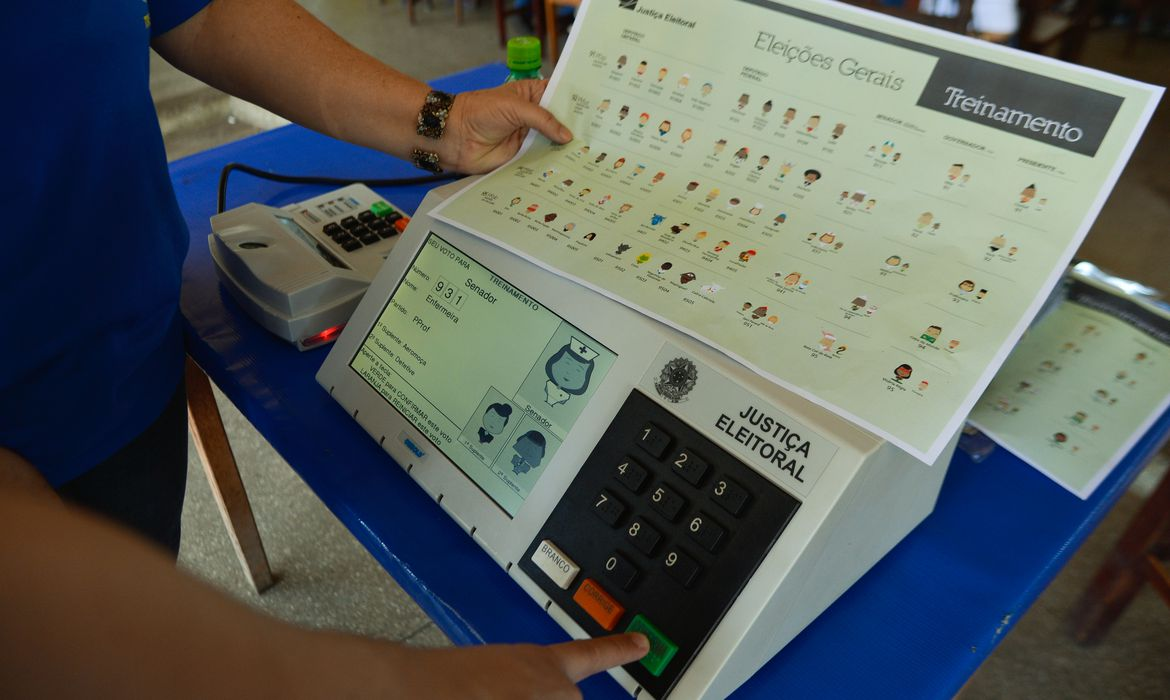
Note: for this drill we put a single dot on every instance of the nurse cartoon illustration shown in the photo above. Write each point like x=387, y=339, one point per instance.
x=529, y=450
x=495, y=419
x=568, y=372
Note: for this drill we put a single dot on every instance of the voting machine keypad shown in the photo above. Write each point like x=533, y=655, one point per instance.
x=658, y=533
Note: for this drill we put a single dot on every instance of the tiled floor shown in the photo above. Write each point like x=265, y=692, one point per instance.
x=328, y=580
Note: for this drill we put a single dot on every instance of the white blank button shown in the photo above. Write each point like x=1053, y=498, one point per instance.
x=553, y=562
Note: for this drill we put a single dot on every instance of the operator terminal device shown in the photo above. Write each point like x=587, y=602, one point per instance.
x=300, y=270
x=626, y=476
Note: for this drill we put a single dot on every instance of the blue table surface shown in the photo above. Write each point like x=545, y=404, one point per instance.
x=916, y=626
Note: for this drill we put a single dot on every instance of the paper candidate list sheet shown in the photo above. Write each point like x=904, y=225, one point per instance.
x=865, y=211
x=1082, y=387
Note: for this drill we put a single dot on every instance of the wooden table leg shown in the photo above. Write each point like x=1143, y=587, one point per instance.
x=1126, y=569
x=222, y=473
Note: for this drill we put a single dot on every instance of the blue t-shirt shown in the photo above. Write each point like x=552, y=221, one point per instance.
x=92, y=241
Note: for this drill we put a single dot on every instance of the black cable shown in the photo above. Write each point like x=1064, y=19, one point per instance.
x=318, y=180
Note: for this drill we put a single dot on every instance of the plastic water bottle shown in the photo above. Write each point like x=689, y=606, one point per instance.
x=523, y=59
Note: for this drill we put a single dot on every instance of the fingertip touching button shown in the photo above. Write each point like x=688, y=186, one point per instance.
x=662, y=649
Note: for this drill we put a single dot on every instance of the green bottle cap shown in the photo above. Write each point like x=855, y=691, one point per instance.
x=523, y=53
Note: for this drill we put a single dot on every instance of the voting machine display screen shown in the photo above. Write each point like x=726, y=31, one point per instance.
x=500, y=409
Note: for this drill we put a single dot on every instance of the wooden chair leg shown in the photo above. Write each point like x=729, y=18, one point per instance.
x=222, y=473
x=410, y=11
x=1125, y=571
x=1159, y=577
x=550, y=22
x=501, y=26
x=458, y=11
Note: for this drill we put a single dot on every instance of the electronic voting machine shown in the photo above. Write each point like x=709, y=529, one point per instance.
x=620, y=471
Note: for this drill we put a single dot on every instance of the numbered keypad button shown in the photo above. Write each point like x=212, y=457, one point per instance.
x=621, y=571
x=654, y=440
x=607, y=507
x=728, y=494
x=630, y=474
x=643, y=536
x=704, y=530
x=689, y=466
x=681, y=567
x=667, y=502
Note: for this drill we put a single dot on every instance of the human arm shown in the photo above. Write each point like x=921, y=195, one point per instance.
x=276, y=54
x=90, y=611
x=16, y=474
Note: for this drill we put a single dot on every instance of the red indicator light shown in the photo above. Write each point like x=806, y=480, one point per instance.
x=325, y=336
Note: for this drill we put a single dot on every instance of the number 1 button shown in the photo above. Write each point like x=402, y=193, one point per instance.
x=653, y=440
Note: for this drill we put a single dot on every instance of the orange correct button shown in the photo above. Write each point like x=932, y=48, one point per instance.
x=599, y=604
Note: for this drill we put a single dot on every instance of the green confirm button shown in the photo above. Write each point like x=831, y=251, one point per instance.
x=662, y=650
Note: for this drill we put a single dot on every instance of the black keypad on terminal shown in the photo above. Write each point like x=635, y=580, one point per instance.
x=675, y=527
x=367, y=227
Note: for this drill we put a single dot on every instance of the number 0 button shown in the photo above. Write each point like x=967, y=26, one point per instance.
x=621, y=571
